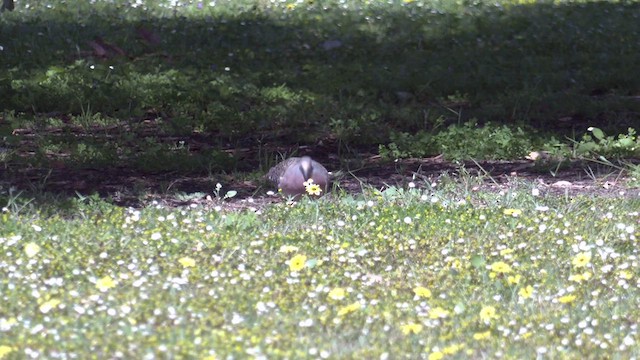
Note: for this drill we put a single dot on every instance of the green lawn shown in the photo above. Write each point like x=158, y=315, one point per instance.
x=398, y=274
x=442, y=270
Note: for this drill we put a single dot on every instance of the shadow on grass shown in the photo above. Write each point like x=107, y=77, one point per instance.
x=246, y=76
x=534, y=64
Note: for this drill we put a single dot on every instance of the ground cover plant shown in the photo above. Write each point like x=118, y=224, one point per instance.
x=180, y=85
x=413, y=273
x=120, y=118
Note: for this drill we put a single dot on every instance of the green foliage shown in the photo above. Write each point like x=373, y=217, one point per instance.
x=365, y=128
x=634, y=174
x=154, y=156
x=490, y=141
x=223, y=196
x=361, y=72
x=404, y=145
x=86, y=154
x=422, y=271
x=596, y=144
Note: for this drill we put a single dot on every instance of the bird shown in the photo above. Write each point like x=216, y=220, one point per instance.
x=293, y=174
x=7, y=5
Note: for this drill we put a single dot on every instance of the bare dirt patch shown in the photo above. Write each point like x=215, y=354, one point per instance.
x=129, y=187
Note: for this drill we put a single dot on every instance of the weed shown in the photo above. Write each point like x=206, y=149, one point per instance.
x=227, y=195
x=246, y=69
x=491, y=141
x=596, y=143
x=479, y=270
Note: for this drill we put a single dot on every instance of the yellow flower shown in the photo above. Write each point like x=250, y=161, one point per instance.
x=514, y=279
x=506, y=252
x=566, y=299
x=411, y=328
x=105, y=283
x=210, y=357
x=576, y=277
x=581, y=259
x=452, y=349
x=580, y=277
x=487, y=313
x=500, y=267
x=526, y=292
x=512, y=212
x=46, y=306
x=311, y=188
x=31, y=249
x=436, y=355
x=314, y=190
x=456, y=264
x=422, y=291
x=624, y=274
x=297, y=262
x=349, y=309
x=438, y=313
x=5, y=350
x=482, y=335
x=187, y=262
x=337, y=294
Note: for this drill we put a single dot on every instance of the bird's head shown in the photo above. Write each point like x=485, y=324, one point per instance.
x=306, y=167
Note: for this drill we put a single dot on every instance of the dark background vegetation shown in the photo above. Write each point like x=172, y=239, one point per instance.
x=209, y=89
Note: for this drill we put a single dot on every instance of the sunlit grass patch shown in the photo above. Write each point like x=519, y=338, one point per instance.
x=349, y=277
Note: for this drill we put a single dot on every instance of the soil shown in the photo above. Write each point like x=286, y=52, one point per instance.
x=129, y=187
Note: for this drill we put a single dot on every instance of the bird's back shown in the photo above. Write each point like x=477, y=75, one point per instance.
x=289, y=175
x=279, y=169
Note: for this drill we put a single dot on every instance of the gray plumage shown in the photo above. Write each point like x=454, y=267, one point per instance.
x=291, y=174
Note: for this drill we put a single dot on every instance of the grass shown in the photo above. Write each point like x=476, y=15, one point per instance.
x=278, y=74
x=448, y=270
x=410, y=273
